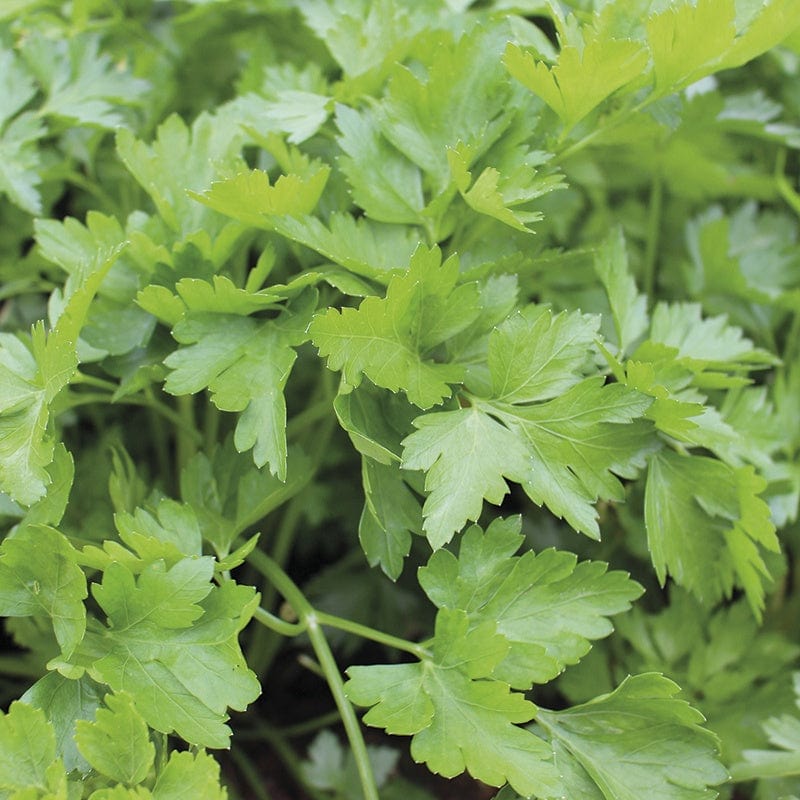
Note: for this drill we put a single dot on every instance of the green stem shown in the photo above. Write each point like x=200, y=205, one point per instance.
x=311, y=725
x=278, y=625
x=88, y=398
x=310, y=617
x=210, y=427
x=254, y=780
x=351, y=724
x=653, y=233
x=283, y=543
x=159, y=435
x=186, y=444
x=91, y=380
x=598, y=130
x=302, y=421
x=366, y=632
x=785, y=189
x=162, y=751
x=289, y=759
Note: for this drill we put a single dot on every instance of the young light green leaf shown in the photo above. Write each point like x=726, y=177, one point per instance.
x=581, y=78
x=458, y=720
x=250, y=198
x=547, y=606
x=39, y=576
x=117, y=744
x=639, y=741
x=389, y=339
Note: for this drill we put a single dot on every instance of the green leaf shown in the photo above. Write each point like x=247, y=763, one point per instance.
x=687, y=41
x=189, y=775
x=181, y=160
x=391, y=514
x=582, y=77
x=333, y=768
x=171, y=643
x=170, y=596
x=577, y=444
x=784, y=734
x=19, y=157
x=362, y=37
x=28, y=764
x=81, y=83
x=499, y=194
x=534, y=355
x=628, y=307
x=245, y=363
x=66, y=701
x=467, y=456
x=227, y=494
x=637, y=742
x=20, y=162
x=383, y=181
x=31, y=377
x=389, y=339
x=117, y=744
x=459, y=721
x=548, y=606
x=701, y=343
x=706, y=525
x=250, y=198
x=367, y=248
x=39, y=576
x=459, y=96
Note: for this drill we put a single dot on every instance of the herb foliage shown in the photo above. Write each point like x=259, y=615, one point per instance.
x=448, y=349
